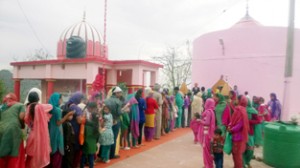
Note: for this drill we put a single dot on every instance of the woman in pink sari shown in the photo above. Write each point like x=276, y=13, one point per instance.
x=38, y=147
x=206, y=131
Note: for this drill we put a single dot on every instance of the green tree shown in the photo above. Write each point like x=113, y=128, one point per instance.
x=7, y=83
x=2, y=90
x=26, y=85
x=177, y=63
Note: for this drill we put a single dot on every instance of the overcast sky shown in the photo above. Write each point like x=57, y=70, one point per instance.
x=137, y=29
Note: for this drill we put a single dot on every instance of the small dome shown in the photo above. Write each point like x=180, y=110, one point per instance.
x=84, y=30
x=89, y=34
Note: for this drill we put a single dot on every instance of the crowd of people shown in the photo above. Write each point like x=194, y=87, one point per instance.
x=232, y=124
x=83, y=130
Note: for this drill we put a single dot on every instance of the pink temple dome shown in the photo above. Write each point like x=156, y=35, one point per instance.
x=246, y=21
x=92, y=38
x=249, y=55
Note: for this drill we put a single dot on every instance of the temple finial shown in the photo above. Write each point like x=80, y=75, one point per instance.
x=84, y=15
x=247, y=8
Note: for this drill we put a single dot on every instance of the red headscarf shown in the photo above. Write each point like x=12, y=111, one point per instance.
x=240, y=113
x=10, y=99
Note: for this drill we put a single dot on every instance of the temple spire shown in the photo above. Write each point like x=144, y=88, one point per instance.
x=84, y=15
x=247, y=8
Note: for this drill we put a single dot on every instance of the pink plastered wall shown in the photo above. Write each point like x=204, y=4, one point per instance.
x=252, y=57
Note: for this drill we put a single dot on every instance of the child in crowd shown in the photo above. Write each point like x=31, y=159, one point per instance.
x=91, y=135
x=195, y=124
x=263, y=116
x=263, y=110
x=174, y=114
x=125, y=126
x=69, y=142
x=217, y=148
x=106, y=135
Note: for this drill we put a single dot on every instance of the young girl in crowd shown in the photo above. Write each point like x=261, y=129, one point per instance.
x=173, y=114
x=38, y=147
x=91, y=135
x=106, y=135
x=195, y=124
x=263, y=115
x=263, y=110
x=69, y=141
x=165, y=114
x=125, y=124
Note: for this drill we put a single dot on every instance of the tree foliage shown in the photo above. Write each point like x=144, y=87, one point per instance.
x=26, y=85
x=7, y=84
x=177, y=65
x=36, y=55
x=39, y=54
x=2, y=90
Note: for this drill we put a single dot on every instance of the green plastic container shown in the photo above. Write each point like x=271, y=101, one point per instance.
x=282, y=145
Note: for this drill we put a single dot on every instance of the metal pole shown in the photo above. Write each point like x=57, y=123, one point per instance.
x=105, y=17
x=289, y=60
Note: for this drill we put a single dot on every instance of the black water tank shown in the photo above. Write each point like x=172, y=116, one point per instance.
x=76, y=47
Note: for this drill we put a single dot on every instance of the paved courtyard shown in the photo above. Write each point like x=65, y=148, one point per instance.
x=177, y=153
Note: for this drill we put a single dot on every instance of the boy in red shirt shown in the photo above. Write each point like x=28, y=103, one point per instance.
x=217, y=145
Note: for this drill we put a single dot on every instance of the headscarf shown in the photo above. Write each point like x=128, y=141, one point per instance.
x=209, y=110
x=150, y=94
x=156, y=87
x=221, y=98
x=10, y=99
x=239, y=114
x=197, y=102
x=76, y=98
x=134, y=115
x=38, y=91
x=54, y=99
x=199, y=94
x=250, y=109
x=56, y=136
x=274, y=103
x=209, y=94
x=209, y=105
x=220, y=108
